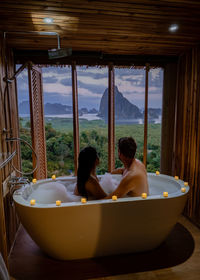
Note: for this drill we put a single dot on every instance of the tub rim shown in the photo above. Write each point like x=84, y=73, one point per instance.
x=17, y=196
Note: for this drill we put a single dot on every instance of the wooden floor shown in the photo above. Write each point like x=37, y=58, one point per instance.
x=189, y=270
x=26, y=257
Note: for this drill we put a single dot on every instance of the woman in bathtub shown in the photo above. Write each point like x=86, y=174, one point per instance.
x=87, y=181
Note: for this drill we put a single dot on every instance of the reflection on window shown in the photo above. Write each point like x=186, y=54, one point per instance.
x=93, y=103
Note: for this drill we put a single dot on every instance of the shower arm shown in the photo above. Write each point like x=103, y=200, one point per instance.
x=10, y=80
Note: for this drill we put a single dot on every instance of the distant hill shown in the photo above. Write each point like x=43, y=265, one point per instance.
x=54, y=109
x=154, y=113
x=124, y=109
x=49, y=108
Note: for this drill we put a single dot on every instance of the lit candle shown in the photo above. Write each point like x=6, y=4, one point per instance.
x=185, y=183
x=165, y=194
x=144, y=195
x=53, y=177
x=157, y=173
x=34, y=181
x=176, y=177
x=83, y=200
x=183, y=189
x=114, y=197
x=32, y=202
x=58, y=202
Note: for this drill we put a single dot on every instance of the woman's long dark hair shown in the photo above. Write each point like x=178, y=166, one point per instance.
x=86, y=162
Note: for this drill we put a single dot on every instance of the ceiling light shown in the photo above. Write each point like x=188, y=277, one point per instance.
x=173, y=27
x=48, y=20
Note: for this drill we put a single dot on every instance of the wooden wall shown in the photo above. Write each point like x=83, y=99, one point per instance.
x=168, y=118
x=8, y=128
x=187, y=129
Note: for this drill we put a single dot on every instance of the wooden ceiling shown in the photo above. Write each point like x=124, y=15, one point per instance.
x=138, y=27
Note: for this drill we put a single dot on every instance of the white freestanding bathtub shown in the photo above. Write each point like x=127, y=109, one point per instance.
x=103, y=227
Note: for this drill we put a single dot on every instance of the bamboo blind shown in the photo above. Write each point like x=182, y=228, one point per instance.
x=187, y=129
x=37, y=121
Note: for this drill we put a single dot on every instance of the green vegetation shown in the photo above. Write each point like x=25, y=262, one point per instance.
x=59, y=143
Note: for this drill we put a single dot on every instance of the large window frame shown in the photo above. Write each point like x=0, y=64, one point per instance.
x=111, y=114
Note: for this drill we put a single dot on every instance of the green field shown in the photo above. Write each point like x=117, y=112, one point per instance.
x=59, y=143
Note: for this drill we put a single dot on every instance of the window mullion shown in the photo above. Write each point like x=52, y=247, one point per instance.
x=111, y=118
x=75, y=116
x=146, y=115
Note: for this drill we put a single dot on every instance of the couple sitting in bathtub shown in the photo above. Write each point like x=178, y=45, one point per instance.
x=134, y=176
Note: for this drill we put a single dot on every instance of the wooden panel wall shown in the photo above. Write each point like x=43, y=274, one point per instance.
x=187, y=132
x=168, y=118
x=8, y=122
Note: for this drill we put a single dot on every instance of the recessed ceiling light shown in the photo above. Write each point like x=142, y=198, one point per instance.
x=48, y=20
x=173, y=27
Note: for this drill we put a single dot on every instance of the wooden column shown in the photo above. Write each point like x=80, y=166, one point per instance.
x=75, y=116
x=187, y=127
x=146, y=115
x=37, y=121
x=168, y=118
x=111, y=118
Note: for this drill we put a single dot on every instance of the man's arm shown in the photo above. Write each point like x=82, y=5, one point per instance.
x=118, y=171
x=126, y=185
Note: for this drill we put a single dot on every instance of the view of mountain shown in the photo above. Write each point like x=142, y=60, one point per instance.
x=124, y=109
x=54, y=109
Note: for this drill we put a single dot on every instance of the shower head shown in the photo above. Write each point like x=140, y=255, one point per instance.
x=58, y=53
x=53, y=53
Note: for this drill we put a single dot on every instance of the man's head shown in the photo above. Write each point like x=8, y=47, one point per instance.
x=127, y=147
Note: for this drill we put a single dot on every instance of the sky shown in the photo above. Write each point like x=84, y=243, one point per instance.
x=92, y=82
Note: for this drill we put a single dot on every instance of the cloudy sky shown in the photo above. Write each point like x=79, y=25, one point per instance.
x=92, y=82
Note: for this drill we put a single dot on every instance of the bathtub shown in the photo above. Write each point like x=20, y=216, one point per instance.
x=96, y=228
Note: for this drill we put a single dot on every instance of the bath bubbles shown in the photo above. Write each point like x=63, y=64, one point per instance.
x=108, y=183
x=50, y=192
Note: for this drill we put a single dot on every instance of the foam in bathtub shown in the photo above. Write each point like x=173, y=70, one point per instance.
x=108, y=183
x=50, y=192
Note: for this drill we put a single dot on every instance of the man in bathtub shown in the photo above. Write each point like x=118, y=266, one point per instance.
x=134, y=176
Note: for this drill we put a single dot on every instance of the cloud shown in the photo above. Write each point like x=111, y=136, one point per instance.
x=91, y=81
x=92, y=70
x=58, y=88
x=87, y=93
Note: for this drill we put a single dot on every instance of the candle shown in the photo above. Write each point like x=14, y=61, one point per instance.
x=32, y=202
x=144, y=195
x=165, y=194
x=176, y=177
x=183, y=190
x=34, y=181
x=83, y=200
x=157, y=173
x=185, y=183
x=53, y=177
x=114, y=197
x=58, y=202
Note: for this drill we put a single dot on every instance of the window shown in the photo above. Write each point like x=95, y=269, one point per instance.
x=130, y=86
x=129, y=107
x=92, y=102
x=57, y=92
